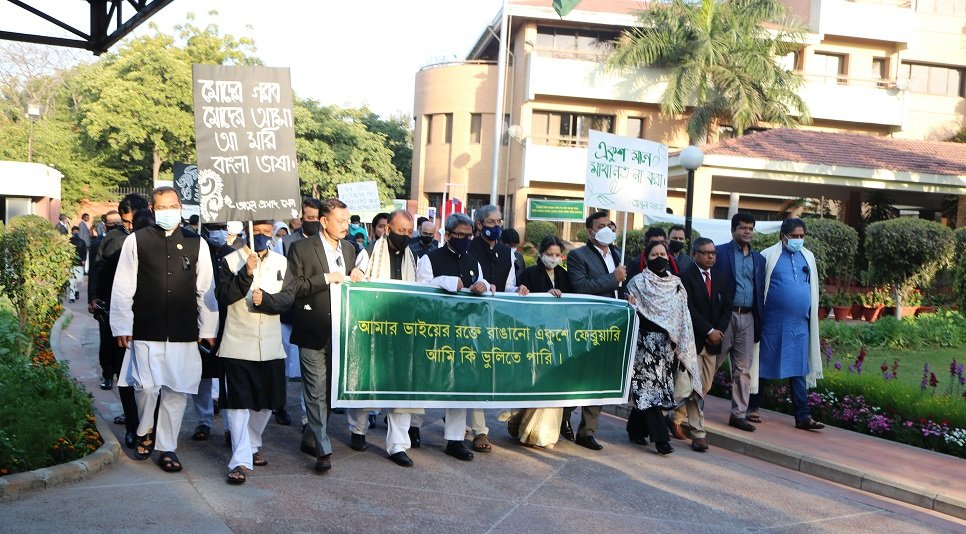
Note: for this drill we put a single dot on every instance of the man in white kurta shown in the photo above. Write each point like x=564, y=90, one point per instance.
x=162, y=305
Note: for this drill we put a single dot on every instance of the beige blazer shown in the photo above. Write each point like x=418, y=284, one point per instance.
x=249, y=334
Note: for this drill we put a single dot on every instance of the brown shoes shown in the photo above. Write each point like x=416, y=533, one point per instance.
x=676, y=430
x=809, y=424
x=699, y=445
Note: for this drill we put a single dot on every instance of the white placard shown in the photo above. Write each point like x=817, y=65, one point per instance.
x=626, y=174
x=360, y=196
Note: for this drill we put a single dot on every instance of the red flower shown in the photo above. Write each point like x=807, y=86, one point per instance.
x=933, y=381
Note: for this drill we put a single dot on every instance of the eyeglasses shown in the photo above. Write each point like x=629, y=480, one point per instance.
x=427, y=235
x=708, y=252
x=493, y=222
x=459, y=235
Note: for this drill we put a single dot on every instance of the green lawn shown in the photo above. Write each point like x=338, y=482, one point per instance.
x=910, y=363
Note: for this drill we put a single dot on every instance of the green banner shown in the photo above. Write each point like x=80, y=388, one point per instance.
x=403, y=345
x=555, y=210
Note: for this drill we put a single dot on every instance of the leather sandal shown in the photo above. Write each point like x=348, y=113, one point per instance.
x=169, y=462
x=144, y=447
x=481, y=443
x=237, y=475
x=259, y=460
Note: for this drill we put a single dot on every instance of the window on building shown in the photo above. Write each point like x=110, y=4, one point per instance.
x=880, y=71
x=476, y=128
x=827, y=67
x=570, y=42
x=567, y=129
x=428, y=124
x=635, y=127
x=448, y=119
x=933, y=79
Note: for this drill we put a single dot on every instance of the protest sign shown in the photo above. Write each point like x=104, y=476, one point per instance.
x=186, y=183
x=626, y=174
x=406, y=345
x=246, y=143
x=360, y=196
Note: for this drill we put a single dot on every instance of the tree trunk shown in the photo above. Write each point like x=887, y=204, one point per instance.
x=155, y=167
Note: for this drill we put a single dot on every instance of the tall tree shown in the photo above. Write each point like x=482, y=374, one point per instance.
x=398, y=133
x=334, y=146
x=722, y=60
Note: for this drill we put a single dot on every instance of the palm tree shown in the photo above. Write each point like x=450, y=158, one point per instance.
x=722, y=60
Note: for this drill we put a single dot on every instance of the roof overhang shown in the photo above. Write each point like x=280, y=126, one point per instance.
x=109, y=22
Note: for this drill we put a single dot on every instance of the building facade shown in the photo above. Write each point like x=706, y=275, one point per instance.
x=886, y=68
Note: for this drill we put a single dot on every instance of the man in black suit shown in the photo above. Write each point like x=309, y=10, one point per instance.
x=709, y=299
x=594, y=269
x=315, y=266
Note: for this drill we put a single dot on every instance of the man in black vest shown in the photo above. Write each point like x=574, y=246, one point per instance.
x=162, y=306
x=453, y=268
x=496, y=260
x=315, y=266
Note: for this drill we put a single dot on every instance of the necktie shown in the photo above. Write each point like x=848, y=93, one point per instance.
x=707, y=282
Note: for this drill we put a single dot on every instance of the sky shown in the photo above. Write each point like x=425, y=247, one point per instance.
x=346, y=53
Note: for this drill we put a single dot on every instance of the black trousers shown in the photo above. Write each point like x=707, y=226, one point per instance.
x=648, y=423
x=111, y=357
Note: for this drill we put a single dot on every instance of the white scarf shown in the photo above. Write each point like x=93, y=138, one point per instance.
x=380, y=266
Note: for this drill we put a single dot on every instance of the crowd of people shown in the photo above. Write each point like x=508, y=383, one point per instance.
x=221, y=311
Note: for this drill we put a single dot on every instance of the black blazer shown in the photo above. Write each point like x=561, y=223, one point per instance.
x=707, y=313
x=306, y=287
x=588, y=272
x=536, y=279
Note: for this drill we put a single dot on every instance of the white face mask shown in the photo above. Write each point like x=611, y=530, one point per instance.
x=550, y=262
x=605, y=236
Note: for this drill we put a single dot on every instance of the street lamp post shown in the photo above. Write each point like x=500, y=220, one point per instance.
x=691, y=158
x=33, y=113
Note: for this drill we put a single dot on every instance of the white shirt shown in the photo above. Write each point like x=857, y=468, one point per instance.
x=608, y=258
x=425, y=275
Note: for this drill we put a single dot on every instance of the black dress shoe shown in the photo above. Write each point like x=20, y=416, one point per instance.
x=307, y=449
x=414, y=439
x=130, y=439
x=372, y=420
x=590, y=442
x=567, y=431
x=809, y=424
x=457, y=450
x=358, y=442
x=107, y=383
x=401, y=459
x=640, y=440
x=664, y=447
x=323, y=463
x=282, y=417
x=741, y=424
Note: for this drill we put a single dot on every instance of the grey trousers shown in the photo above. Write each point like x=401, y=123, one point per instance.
x=316, y=382
x=737, y=344
x=588, y=419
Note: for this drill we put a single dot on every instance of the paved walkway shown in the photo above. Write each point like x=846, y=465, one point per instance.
x=624, y=488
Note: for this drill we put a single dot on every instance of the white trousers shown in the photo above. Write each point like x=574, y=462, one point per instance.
x=455, y=426
x=478, y=422
x=397, y=435
x=170, y=414
x=245, y=444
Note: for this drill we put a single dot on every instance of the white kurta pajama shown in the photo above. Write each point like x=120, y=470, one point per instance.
x=150, y=366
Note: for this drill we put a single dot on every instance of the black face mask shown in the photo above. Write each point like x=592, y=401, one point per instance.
x=399, y=241
x=425, y=239
x=311, y=228
x=675, y=246
x=658, y=265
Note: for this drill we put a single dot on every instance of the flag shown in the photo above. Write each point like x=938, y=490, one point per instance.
x=563, y=7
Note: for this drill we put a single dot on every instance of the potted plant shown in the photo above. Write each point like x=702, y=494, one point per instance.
x=910, y=302
x=855, y=297
x=873, y=301
x=823, y=304
x=841, y=305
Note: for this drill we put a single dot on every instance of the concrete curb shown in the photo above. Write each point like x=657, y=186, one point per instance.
x=825, y=469
x=20, y=484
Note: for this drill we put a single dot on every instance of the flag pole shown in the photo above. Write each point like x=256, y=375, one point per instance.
x=500, y=101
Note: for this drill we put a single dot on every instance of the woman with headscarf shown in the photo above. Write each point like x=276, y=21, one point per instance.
x=665, y=346
x=279, y=230
x=540, y=427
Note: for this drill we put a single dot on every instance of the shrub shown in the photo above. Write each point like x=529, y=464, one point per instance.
x=536, y=231
x=839, y=242
x=959, y=267
x=635, y=239
x=762, y=241
x=907, y=252
x=946, y=329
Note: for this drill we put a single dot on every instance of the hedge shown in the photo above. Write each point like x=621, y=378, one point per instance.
x=840, y=241
x=907, y=252
x=537, y=231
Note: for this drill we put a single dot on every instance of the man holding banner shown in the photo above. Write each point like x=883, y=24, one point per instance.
x=594, y=269
x=453, y=268
x=391, y=259
x=315, y=268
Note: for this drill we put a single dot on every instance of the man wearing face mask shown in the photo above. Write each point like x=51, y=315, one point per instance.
x=251, y=349
x=119, y=226
x=789, y=346
x=496, y=260
x=425, y=241
x=677, y=244
x=162, y=306
x=392, y=259
x=453, y=268
x=594, y=269
x=309, y=227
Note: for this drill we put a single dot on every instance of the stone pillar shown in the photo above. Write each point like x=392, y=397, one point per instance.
x=961, y=212
x=733, y=200
x=701, y=208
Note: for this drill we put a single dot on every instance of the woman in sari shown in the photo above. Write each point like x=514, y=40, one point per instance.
x=540, y=427
x=665, y=346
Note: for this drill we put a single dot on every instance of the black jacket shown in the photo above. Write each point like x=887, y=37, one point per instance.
x=588, y=272
x=536, y=279
x=707, y=313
